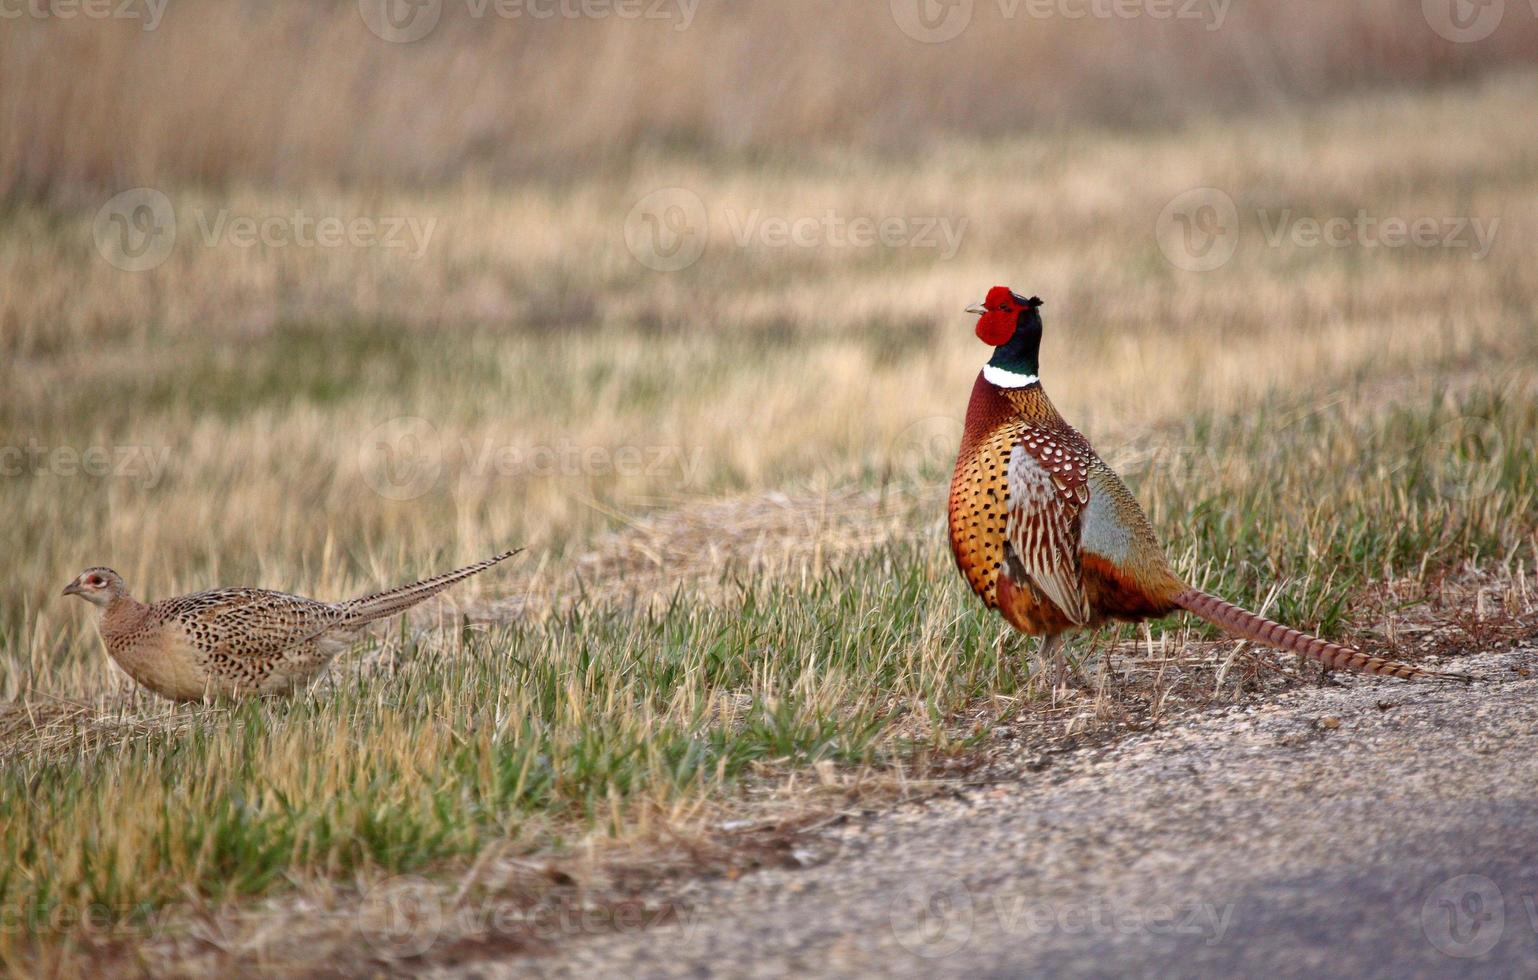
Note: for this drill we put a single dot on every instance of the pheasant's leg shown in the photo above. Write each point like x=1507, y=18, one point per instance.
x=1049, y=661
x=1063, y=672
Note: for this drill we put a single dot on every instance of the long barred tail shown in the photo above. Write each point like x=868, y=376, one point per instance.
x=382, y=604
x=1262, y=630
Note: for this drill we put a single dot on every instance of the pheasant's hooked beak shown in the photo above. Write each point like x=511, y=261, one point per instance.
x=977, y=308
x=72, y=588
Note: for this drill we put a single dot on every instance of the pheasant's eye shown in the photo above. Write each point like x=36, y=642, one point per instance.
x=94, y=580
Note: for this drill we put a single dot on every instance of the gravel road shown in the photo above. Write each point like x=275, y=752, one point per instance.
x=1373, y=828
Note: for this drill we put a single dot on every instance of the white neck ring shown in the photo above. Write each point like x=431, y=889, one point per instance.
x=1007, y=379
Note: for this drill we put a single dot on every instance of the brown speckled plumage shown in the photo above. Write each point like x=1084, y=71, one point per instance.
x=1045, y=532
x=1025, y=553
x=232, y=642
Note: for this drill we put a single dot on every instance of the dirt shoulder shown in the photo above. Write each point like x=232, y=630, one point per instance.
x=1365, y=827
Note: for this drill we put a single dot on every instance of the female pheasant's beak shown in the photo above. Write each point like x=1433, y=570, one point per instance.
x=72, y=588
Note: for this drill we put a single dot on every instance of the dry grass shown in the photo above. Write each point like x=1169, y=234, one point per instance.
x=1303, y=423
x=297, y=92
x=263, y=375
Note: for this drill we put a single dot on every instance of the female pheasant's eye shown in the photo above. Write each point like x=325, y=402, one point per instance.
x=94, y=580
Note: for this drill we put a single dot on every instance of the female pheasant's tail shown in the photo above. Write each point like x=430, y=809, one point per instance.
x=1262, y=630
x=357, y=612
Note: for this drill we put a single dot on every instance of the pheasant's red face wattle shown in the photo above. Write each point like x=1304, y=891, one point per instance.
x=1000, y=312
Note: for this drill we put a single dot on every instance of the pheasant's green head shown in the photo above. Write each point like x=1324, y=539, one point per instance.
x=1011, y=324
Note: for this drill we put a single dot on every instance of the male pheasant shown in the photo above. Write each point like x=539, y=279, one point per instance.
x=233, y=642
x=1045, y=532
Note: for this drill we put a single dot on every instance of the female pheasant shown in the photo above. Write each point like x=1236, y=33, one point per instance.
x=1045, y=532
x=232, y=642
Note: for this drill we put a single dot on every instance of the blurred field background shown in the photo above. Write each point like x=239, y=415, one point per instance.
x=297, y=93
x=729, y=473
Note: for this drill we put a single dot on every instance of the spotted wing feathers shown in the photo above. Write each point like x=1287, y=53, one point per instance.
x=252, y=623
x=1048, y=488
x=258, y=623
